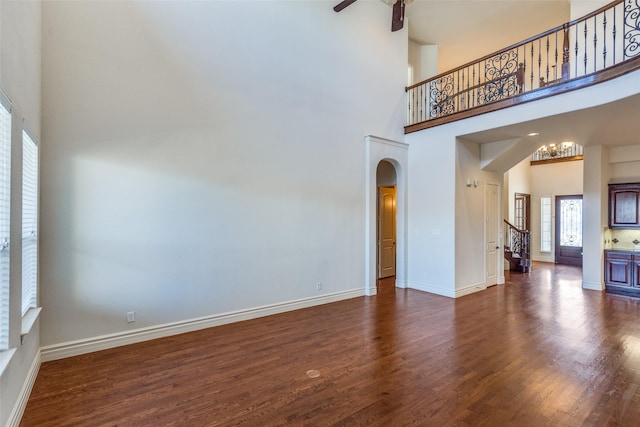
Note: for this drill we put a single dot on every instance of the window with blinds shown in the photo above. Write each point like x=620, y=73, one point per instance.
x=545, y=224
x=29, y=223
x=5, y=193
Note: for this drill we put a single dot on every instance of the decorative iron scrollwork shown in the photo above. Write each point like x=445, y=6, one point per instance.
x=501, y=78
x=631, y=28
x=516, y=241
x=441, y=101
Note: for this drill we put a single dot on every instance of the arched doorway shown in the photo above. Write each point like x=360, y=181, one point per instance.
x=386, y=183
x=396, y=154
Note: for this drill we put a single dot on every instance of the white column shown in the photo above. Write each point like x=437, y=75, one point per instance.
x=595, y=215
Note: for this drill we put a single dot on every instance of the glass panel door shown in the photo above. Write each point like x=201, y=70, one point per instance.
x=569, y=230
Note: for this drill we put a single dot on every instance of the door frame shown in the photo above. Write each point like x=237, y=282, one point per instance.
x=526, y=209
x=396, y=153
x=500, y=280
x=556, y=242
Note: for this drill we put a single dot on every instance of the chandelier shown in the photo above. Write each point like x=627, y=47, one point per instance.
x=564, y=150
x=553, y=151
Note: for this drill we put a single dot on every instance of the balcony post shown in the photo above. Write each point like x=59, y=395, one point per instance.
x=565, y=53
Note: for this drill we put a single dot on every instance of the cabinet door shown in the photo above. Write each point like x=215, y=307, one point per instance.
x=635, y=275
x=623, y=206
x=618, y=269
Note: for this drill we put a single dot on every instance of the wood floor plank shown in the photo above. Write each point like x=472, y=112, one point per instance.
x=538, y=351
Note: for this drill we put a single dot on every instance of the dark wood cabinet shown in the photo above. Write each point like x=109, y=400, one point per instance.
x=635, y=272
x=622, y=272
x=624, y=205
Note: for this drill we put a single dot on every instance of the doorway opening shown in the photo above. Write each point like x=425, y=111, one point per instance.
x=569, y=230
x=396, y=154
x=522, y=211
x=386, y=184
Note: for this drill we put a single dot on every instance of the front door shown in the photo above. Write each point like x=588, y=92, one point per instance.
x=569, y=230
x=386, y=232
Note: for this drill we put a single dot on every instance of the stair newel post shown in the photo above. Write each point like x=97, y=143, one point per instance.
x=565, y=53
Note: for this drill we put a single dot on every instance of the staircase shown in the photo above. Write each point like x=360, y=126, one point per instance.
x=516, y=248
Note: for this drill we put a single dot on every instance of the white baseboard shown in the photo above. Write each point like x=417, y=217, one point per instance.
x=470, y=289
x=401, y=284
x=592, y=286
x=432, y=289
x=23, y=398
x=447, y=292
x=103, y=342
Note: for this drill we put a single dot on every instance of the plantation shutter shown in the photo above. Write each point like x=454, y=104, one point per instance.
x=5, y=192
x=29, y=223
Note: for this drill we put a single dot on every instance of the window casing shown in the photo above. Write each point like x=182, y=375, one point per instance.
x=29, y=222
x=5, y=201
x=545, y=224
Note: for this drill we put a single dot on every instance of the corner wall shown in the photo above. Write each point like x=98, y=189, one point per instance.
x=20, y=77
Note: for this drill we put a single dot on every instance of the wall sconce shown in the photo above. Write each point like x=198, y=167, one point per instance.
x=468, y=183
x=475, y=183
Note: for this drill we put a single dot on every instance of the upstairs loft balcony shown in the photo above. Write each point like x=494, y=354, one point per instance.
x=598, y=47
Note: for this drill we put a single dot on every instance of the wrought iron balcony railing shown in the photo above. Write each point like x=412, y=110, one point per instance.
x=602, y=39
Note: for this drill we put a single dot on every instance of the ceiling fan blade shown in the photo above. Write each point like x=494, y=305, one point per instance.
x=397, y=19
x=343, y=4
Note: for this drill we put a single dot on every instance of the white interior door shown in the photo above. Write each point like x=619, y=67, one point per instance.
x=386, y=232
x=492, y=234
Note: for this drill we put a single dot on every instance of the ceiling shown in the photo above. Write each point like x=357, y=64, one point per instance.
x=614, y=124
x=468, y=29
x=465, y=30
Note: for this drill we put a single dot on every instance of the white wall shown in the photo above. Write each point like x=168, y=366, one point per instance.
x=470, y=247
x=517, y=180
x=386, y=175
x=424, y=60
x=625, y=163
x=206, y=157
x=580, y=8
x=431, y=207
x=20, y=80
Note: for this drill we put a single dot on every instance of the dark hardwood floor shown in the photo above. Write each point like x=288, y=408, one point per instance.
x=538, y=351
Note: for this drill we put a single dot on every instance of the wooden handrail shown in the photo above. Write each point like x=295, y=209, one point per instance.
x=514, y=227
x=607, y=74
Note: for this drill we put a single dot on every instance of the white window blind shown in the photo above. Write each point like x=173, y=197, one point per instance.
x=5, y=192
x=29, y=223
x=545, y=224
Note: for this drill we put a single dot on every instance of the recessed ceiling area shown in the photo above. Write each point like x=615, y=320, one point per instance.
x=610, y=125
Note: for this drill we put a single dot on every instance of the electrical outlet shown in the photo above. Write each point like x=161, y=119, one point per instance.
x=131, y=316
x=319, y=285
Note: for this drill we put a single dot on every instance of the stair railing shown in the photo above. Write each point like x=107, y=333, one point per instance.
x=518, y=242
x=605, y=37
